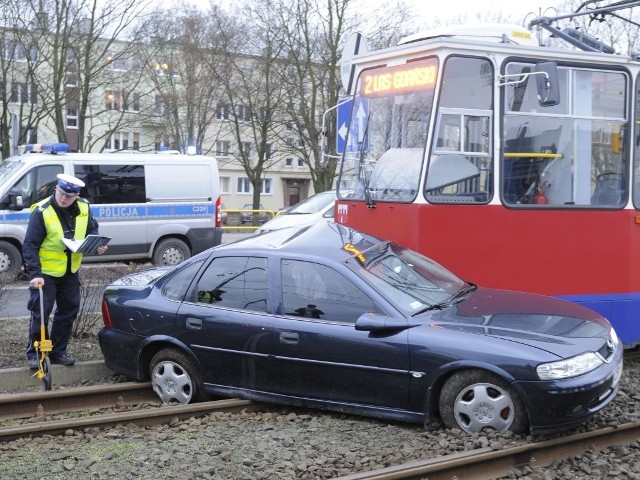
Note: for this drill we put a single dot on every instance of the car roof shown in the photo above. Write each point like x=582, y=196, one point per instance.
x=324, y=238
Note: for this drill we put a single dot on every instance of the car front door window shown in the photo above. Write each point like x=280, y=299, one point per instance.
x=315, y=291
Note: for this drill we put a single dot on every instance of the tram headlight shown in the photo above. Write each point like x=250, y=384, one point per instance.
x=570, y=367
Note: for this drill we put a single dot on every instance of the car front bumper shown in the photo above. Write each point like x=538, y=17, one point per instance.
x=563, y=404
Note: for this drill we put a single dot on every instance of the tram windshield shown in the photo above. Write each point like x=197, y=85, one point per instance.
x=388, y=131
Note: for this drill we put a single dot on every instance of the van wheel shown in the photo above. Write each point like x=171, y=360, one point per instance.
x=10, y=260
x=170, y=251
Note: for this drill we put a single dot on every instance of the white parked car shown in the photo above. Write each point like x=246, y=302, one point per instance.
x=308, y=211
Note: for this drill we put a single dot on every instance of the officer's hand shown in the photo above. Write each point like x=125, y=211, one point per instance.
x=102, y=249
x=37, y=282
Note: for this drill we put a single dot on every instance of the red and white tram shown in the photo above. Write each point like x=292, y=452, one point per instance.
x=515, y=165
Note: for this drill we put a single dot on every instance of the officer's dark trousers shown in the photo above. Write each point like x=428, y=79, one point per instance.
x=65, y=293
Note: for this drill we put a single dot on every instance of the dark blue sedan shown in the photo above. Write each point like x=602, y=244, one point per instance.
x=325, y=316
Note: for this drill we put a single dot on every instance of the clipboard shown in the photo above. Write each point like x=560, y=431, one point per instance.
x=87, y=246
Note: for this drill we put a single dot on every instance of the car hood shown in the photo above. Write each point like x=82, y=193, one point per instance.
x=557, y=326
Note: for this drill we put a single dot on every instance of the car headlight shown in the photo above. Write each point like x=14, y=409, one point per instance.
x=570, y=367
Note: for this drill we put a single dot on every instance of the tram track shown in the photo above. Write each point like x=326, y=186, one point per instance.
x=105, y=406
x=30, y=414
x=25, y=405
x=488, y=464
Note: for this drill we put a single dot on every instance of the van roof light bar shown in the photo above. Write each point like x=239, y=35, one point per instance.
x=52, y=148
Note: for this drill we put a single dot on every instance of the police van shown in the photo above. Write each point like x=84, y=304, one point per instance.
x=158, y=208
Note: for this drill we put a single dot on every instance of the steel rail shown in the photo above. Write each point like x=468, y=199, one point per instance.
x=487, y=464
x=25, y=405
x=142, y=417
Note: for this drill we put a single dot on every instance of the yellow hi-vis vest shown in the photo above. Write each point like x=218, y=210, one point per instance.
x=53, y=258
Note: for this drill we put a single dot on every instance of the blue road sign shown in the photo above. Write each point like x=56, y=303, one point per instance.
x=356, y=126
x=344, y=116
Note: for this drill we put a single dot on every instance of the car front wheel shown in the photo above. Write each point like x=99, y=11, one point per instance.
x=474, y=399
x=175, y=378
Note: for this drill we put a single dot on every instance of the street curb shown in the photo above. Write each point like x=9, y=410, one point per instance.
x=15, y=379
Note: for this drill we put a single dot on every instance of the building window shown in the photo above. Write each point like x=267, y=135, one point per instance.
x=164, y=67
x=113, y=100
x=72, y=117
x=288, y=161
x=117, y=62
x=244, y=185
x=222, y=111
x=246, y=149
x=269, y=153
x=24, y=93
x=159, y=105
x=222, y=148
x=225, y=185
x=132, y=102
x=16, y=50
x=124, y=141
x=300, y=162
x=266, y=186
x=243, y=113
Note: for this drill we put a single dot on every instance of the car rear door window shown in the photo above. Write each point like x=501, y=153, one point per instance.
x=176, y=287
x=235, y=282
x=316, y=291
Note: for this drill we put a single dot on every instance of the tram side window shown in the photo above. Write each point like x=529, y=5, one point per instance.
x=460, y=168
x=568, y=154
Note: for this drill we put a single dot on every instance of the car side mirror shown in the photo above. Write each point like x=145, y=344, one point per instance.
x=13, y=200
x=372, y=322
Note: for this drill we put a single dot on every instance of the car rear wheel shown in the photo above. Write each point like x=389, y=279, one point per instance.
x=474, y=399
x=175, y=378
x=170, y=251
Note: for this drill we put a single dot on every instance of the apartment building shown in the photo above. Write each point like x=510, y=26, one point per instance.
x=124, y=106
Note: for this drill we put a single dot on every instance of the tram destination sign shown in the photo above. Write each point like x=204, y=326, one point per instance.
x=398, y=79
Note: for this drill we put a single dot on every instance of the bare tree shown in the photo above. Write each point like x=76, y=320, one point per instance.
x=254, y=97
x=315, y=32
x=19, y=62
x=89, y=46
x=186, y=59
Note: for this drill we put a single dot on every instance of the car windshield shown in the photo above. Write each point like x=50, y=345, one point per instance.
x=7, y=168
x=314, y=204
x=414, y=284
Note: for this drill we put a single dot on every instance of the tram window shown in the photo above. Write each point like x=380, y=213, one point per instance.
x=569, y=154
x=386, y=141
x=460, y=169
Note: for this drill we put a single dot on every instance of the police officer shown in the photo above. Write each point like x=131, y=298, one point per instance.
x=51, y=265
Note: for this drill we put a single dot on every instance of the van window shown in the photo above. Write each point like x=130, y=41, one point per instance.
x=38, y=183
x=112, y=183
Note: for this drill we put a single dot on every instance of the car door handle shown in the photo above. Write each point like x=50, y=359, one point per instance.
x=194, y=323
x=289, y=338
